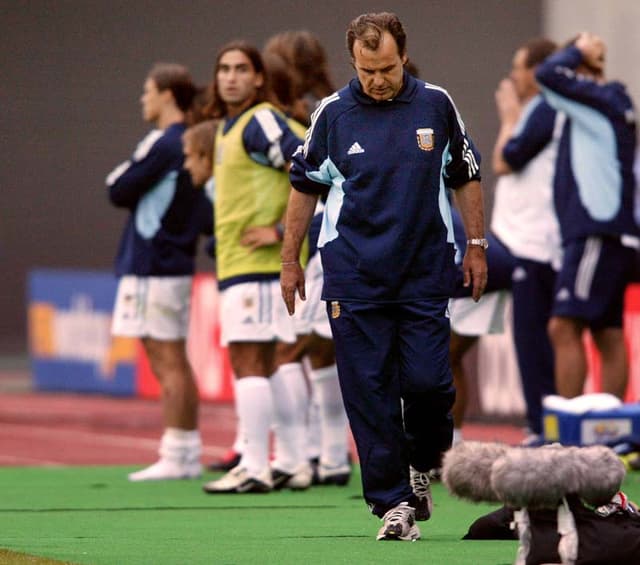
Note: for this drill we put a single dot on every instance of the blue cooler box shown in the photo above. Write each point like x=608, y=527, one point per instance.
x=602, y=426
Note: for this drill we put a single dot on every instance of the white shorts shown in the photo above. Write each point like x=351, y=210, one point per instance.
x=311, y=314
x=479, y=318
x=255, y=311
x=156, y=307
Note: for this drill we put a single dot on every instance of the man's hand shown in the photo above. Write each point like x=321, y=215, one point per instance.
x=292, y=279
x=474, y=269
x=507, y=102
x=593, y=50
x=259, y=236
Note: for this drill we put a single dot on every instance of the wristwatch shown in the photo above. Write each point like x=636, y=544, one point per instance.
x=482, y=242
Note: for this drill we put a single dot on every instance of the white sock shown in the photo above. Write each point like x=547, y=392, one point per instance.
x=180, y=446
x=290, y=401
x=333, y=418
x=314, y=431
x=457, y=436
x=238, y=442
x=254, y=406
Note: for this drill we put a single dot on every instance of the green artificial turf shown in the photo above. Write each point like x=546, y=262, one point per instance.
x=92, y=515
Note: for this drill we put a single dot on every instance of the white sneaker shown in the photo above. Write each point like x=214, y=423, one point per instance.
x=421, y=486
x=339, y=475
x=239, y=481
x=166, y=469
x=300, y=479
x=399, y=524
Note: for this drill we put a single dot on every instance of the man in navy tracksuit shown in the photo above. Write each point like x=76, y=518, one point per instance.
x=386, y=148
x=593, y=193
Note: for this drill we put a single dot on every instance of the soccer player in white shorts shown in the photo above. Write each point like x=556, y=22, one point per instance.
x=156, y=262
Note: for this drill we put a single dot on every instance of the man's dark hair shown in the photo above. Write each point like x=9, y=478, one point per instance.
x=177, y=79
x=307, y=58
x=412, y=69
x=538, y=50
x=369, y=29
x=281, y=80
x=217, y=107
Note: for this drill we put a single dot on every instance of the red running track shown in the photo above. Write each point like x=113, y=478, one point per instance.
x=52, y=429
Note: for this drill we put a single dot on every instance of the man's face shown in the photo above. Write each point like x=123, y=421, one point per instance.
x=152, y=101
x=379, y=71
x=198, y=164
x=237, y=80
x=523, y=77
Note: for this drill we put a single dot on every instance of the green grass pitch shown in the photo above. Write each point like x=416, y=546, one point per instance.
x=92, y=515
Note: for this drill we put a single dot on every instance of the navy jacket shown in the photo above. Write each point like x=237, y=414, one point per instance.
x=387, y=234
x=167, y=214
x=594, y=183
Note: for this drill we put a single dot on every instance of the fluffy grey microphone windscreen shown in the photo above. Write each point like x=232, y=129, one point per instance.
x=466, y=470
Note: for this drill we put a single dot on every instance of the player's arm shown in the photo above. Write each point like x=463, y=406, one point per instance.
x=563, y=86
x=308, y=180
x=533, y=134
x=130, y=181
x=474, y=264
x=263, y=236
x=268, y=140
x=462, y=174
x=299, y=214
x=509, y=110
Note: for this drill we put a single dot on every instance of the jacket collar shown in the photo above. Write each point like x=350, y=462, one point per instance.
x=406, y=94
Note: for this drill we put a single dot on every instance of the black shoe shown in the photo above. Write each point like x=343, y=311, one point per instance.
x=279, y=478
x=230, y=460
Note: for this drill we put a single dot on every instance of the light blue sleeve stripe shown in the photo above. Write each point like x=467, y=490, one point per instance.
x=443, y=202
x=154, y=204
x=260, y=158
x=329, y=174
x=594, y=157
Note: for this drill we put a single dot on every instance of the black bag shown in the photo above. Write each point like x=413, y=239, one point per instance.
x=611, y=539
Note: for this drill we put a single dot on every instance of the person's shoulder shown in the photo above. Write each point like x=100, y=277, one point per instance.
x=619, y=93
x=433, y=92
x=155, y=140
x=171, y=137
x=538, y=107
x=334, y=103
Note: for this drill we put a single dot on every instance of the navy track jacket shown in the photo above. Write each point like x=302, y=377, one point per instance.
x=594, y=183
x=387, y=234
x=167, y=214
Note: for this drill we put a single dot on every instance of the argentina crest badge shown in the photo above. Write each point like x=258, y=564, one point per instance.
x=425, y=138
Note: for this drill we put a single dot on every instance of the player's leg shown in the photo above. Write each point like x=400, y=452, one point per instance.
x=180, y=446
x=365, y=343
x=570, y=358
x=459, y=345
x=166, y=311
x=251, y=362
x=533, y=285
x=613, y=360
x=290, y=393
x=427, y=391
x=333, y=465
x=253, y=318
x=590, y=292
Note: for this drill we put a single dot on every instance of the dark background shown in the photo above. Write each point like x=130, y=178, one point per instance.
x=72, y=74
